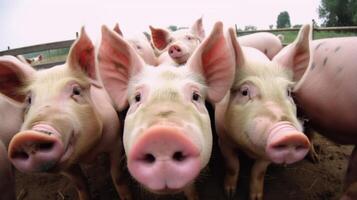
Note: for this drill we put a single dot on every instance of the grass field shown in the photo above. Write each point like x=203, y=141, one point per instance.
x=291, y=35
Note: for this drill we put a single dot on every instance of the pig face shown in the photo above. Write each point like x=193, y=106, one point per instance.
x=261, y=114
x=179, y=44
x=167, y=134
x=142, y=47
x=60, y=122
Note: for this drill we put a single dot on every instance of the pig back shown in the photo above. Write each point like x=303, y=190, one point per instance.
x=328, y=93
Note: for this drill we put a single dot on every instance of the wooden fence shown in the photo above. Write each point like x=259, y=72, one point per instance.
x=68, y=43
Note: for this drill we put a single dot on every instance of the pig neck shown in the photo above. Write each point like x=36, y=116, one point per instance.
x=165, y=59
x=109, y=118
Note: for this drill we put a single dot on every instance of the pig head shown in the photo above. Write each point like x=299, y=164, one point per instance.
x=177, y=47
x=258, y=116
x=167, y=134
x=68, y=116
x=142, y=46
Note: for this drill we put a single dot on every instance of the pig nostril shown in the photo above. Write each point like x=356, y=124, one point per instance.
x=178, y=156
x=279, y=147
x=20, y=155
x=44, y=146
x=171, y=51
x=178, y=50
x=149, y=158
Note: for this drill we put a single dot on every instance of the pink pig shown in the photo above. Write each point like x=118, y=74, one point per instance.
x=68, y=119
x=167, y=134
x=258, y=117
x=177, y=47
x=265, y=42
x=142, y=46
x=11, y=120
x=327, y=93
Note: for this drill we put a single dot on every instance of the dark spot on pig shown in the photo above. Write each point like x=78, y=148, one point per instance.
x=266, y=51
x=313, y=65
x=337, y=48
x=318, y=46
x=325, y=61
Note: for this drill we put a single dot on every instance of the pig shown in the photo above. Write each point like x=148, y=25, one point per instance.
x=32, y=60
x=167, y=134
x=327, y=94
x=176, y=47
x=142, y=46
x=258, y=116
x=265, y=42
x=11, y=119
x=68, y=117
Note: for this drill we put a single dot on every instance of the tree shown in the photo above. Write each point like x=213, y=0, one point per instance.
x=338, y=12
x=283, y=20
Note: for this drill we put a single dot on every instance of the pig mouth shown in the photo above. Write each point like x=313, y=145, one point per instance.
x=180, y=59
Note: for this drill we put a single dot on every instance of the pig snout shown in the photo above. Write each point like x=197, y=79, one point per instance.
x=175, y=51
x=164, y=159
x=35, y=150
x=285, y=144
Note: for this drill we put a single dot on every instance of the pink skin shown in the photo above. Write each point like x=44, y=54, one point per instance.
x=265, y=42
x=176, y=47
x=328, y=86
x=11, y=120
x=167, y=128
x=161, y=158
x=258, y=116
x=63, y=125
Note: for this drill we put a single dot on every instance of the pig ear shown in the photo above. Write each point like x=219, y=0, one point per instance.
x=214, y=59
x=117, y=29
x=296, y=56
x=239, y=58
x=197, y=29
x=118, y=61
x=14, y=75
x=81, y=56
x=160, y=37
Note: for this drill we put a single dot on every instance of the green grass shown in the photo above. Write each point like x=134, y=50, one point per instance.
x=291, y=35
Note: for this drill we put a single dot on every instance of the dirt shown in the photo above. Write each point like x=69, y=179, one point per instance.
x=301, y=181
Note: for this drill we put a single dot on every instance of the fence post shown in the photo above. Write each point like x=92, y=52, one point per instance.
x=313, y=28
x=235, y=25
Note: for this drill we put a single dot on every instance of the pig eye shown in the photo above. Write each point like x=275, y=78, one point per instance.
x=138, y=47
x=137, y=98
x=195, y=96
x=189, y=37
x=76, y=90
x=244, y=91
x=29, y=99
x=289, y=92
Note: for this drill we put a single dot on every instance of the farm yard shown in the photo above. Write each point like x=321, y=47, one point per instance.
x=164, y=101
x=303, y=180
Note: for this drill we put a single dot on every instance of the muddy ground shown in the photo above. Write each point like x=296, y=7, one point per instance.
x=301, y=181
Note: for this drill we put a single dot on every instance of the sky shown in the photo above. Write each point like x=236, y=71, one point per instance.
x=30, y=22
